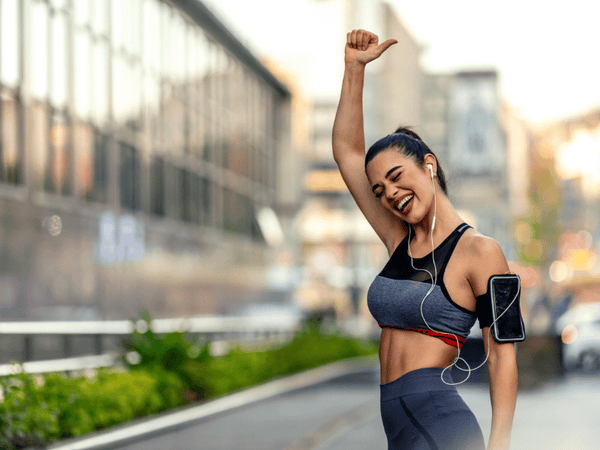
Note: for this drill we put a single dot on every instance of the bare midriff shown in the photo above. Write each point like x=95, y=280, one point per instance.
x=402, y=351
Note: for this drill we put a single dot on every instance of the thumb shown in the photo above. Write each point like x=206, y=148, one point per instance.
x=385, y=45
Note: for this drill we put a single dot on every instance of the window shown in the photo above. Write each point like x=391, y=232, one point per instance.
x=37, y=141
x=129, y=172
x=83, y=142
x=100, y=80
x=237, y=210
x=59, y=61
x=10, y=73
x=255, y=232
x=99, y=190
x=157, y=187
x=10, y=126
x=58, y=168
x=185, y=195
x=122, y=91
x=196, y=201
x=206, y=199
x=99, y=19
x=38, y=47
x=151, y=39
x=82, y=73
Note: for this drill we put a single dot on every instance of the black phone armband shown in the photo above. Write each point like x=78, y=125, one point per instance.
x=500, y=309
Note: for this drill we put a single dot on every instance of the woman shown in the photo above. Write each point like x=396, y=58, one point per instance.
x=425, y=298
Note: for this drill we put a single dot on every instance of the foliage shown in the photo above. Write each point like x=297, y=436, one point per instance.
x=169, y=371
x=544, y=213
x=38, y=409
x=169, y=351
x=310, y=347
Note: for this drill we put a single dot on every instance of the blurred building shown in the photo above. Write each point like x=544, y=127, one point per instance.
x=483, y=147
x=341, y=252
x=574, y=145
x=140, y=158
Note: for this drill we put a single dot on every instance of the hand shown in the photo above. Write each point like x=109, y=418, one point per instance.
x=362, y=47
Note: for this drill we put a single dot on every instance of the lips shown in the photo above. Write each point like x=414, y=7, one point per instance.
x=401, y=203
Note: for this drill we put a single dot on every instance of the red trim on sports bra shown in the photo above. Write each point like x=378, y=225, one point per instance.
x=446, y=337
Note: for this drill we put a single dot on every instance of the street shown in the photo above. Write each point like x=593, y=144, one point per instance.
x=343, y=414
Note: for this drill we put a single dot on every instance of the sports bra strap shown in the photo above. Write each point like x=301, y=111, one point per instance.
x=451, y=245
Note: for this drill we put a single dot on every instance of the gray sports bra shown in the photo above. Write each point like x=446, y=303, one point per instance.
x=394, y=298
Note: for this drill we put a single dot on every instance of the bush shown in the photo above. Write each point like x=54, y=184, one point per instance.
x=39, y=409
x=169, y=371
x=309, y=348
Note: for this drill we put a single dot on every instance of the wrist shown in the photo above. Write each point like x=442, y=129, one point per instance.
x=354, y=66
x=499, y=442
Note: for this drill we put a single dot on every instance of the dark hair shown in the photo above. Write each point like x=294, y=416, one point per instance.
x=410, y=144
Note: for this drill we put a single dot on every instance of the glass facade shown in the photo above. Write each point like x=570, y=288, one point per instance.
x=134, y=105
x=138, y=139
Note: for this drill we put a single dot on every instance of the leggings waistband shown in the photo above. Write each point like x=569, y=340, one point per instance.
x=417, y=381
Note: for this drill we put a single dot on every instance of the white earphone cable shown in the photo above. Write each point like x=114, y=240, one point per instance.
x=458, y=358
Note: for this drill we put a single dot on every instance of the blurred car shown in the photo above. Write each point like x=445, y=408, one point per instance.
x=579, y=329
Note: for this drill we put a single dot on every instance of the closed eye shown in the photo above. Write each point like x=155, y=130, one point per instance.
x=387, y=175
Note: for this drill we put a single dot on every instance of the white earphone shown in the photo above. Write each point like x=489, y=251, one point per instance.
x=433, y=284
x=433, y=277
x=431, y=170
x=430, y=167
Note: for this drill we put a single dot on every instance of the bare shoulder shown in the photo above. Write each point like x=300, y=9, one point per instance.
x=482, y=246
x=484, y=258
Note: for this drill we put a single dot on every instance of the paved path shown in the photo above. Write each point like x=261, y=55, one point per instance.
x=343, y=414
x=298, y=420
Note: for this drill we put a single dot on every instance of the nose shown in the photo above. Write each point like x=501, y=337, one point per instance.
x=390, y=192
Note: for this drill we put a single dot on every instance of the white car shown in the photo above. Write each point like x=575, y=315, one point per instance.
x=579, y=329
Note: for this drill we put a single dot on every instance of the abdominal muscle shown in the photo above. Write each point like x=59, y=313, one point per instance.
x=402, y=351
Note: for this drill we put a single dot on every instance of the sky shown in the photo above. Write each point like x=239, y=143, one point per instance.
x=546, y=53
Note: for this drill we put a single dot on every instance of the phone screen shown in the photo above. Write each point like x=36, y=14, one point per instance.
x=509, y=325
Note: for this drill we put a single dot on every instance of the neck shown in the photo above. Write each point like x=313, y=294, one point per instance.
x=447, y=219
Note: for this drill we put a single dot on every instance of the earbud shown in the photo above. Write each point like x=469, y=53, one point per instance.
x=431, y=170
x=430, y=167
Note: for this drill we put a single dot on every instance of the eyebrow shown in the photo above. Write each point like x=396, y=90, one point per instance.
x=387, y=175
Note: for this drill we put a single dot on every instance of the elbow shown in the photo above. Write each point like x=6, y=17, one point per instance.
x=338, y=152
x=337, y=158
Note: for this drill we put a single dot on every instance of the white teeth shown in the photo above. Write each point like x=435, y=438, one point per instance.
x=404, y=201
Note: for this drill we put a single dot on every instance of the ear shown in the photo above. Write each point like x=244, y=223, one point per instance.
x=430, y=159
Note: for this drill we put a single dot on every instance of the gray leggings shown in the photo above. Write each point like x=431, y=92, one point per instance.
x=421, y=412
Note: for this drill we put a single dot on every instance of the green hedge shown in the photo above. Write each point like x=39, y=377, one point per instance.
x=38, y=409
x=167, y=371
x=239, y=369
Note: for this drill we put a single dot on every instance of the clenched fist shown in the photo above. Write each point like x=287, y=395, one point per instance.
x=362, y=47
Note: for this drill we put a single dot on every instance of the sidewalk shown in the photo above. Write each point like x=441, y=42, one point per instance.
x=563, y=415
x=341, y=412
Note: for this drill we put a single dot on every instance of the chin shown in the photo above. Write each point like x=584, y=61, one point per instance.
x=413, y=218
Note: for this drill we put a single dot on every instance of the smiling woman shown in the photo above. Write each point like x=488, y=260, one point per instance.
x=426, y=297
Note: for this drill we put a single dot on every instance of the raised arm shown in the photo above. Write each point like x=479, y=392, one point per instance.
x=348, y=137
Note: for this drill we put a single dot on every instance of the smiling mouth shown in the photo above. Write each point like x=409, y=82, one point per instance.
x=401, y=204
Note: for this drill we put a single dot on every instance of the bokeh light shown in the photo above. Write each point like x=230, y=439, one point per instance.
x=558, y=271
x=581, y=158
x=523, y=233
x=569, y=334
x=533, y=249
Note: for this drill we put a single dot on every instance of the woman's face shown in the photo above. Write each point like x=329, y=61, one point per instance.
x=401, y=185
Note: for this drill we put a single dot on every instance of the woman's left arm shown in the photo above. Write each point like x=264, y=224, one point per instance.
x=502, y=363
x=502, y=368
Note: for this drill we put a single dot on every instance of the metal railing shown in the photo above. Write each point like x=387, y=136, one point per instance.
x=103, y=347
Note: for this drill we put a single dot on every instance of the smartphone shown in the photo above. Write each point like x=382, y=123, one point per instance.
x=505, y=293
